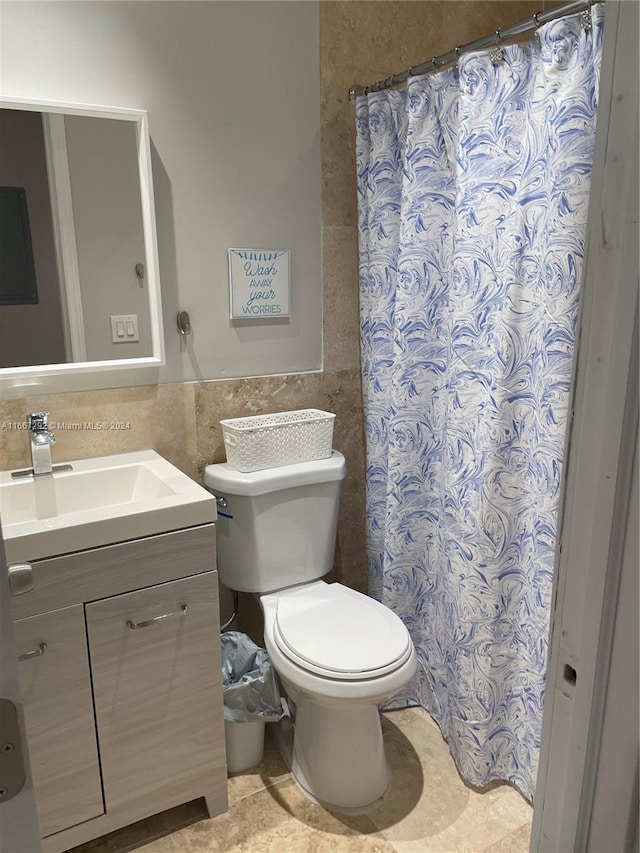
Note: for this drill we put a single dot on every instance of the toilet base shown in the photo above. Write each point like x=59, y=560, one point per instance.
x=332, y=807
x=336, y=754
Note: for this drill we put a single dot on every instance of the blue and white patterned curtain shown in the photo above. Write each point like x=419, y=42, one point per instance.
x=473, y=189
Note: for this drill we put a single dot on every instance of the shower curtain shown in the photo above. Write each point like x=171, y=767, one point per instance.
x=473, y=187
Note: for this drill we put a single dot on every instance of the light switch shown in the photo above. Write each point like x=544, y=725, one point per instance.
x=124, y=328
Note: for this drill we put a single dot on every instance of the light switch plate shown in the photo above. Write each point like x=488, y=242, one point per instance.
x=124, y=328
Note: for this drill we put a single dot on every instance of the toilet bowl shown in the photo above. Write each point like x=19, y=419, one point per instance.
x=339, y=654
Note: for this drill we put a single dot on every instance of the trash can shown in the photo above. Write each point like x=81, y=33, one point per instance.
x=251, y=699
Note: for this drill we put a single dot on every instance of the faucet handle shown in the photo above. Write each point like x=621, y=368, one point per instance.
x=38, y=421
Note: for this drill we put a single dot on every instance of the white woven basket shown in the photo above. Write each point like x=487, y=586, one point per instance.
x=267, y=441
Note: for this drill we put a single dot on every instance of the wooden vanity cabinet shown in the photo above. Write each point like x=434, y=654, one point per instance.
x=122, y=684
x=56, y=687
x=155, y=688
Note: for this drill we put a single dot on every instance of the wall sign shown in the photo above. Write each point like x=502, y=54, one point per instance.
x=258, y=283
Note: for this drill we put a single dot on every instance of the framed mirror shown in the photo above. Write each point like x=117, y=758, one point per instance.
x=79, y=289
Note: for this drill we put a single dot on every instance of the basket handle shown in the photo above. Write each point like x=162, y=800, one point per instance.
x=230, y=439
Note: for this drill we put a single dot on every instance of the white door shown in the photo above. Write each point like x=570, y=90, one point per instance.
x=19, y=828
x=586, y=796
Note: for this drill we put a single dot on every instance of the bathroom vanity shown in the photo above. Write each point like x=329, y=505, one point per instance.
x=119, y=654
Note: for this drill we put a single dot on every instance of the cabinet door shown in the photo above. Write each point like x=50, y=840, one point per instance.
x=155, y=660
x=54, y=676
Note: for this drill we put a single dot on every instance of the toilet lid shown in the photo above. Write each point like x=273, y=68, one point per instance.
x=337, y=632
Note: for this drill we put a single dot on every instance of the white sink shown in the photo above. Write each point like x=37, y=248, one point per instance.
x=103, y=500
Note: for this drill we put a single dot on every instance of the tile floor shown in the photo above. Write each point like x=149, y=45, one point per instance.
x=428, y=810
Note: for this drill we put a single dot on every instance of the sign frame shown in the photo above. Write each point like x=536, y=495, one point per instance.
x=259, y=283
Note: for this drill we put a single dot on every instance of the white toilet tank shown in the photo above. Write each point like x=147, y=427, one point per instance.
x=278, y=527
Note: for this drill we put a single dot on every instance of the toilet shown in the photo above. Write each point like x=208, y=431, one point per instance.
x=339, y=654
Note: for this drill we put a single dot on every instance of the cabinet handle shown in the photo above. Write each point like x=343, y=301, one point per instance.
x=135, y=625
x=34, y=653
x=20, y=578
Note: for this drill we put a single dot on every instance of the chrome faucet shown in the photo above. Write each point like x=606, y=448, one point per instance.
x=41, y=441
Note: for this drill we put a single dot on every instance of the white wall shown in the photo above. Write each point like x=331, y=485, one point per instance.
x=233, y=95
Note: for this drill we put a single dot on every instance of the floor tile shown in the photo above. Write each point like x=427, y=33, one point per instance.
x=429, y=808
x=271, y=769
x=392, y=720
x=279, y=818
x=516, y=842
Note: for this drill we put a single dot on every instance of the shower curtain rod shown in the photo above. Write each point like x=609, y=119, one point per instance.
x=492, y=40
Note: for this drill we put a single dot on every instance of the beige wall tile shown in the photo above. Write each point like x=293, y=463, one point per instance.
x=341, y=319
x=250, y=620
x=343, y=396
x=361, y=42
x=14, y=441
x=467, y=20
x=159, y=417
x=237, y=398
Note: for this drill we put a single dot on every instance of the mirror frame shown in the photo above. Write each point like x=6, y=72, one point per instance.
x=114, y=373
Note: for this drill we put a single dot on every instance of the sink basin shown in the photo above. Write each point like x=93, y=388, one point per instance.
x=103, y=500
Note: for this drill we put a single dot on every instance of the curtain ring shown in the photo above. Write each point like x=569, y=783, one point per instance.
x=388, y=83
x=434, y=64
x=535, y=20
x=410, y=73
x=456, y=50
x=498, y=36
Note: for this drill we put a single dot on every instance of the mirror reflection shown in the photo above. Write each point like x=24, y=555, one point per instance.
x=73, y=284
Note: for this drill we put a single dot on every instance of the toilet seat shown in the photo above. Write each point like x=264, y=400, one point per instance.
x=338, y=633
